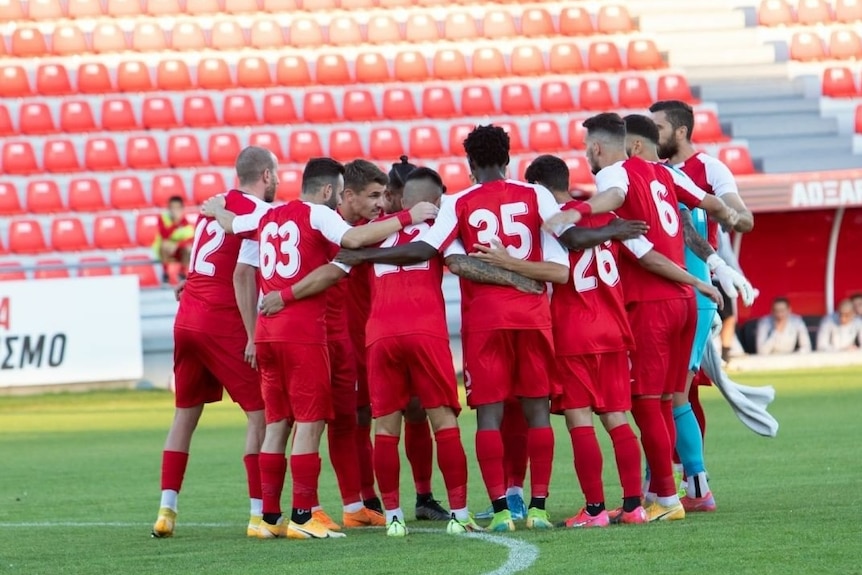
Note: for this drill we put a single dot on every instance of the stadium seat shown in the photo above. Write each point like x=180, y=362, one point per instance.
x=94, y=266
x=121, y=8
x=516, y=99
x=595, y=94
x=458, y=26
x=142, y=152
x=133, y=76
x=358, y=106
x=457, y=133
x=488, y=63
x=147, y=228
x=806, y=47
x=84, y=8
x=305, y=33
x=35, y=118
x=345, y=145
x=268, y=140
x=85, y=195
x=28, y=43
x=18, y=158
x=43, y=197
x=253, y=72
x=425, y=142
x=737, y=159
x=223, y=149
x=304, y=145
x=845, y=45
x=516, y=144
x=214, y=74
x=437, y=102
x=158, y=112
x=775, y=13
x=398, y=104
x=12, y=11
x=68, y=40
x=50, y=269
x=60, y=156
x=199, y=112
x=266, y=34
x=118, y=115
x=227, y=35
x=184, y=151
x=422, y=28
x=173, y=75
x=579, y=171
x=527, y=61
x=838, y=82
x=319, y=107
x=643, y=54
x=68, y=235
x=810, y=12
x=141, y=266
x=163, y=7
x=149, y=37
x=166, y=186
x=498, y=24
x=545, y=136
x=188, y=36
x=320, y=5
x=565, y=58
x=383, y=29
x=108, y=37
x=604, y=57
x=344, y=31
x=396, y=3
x=278, y=6
x=127, y=193
x=614, y=20
x=10, y=204
x=289, y=184
x=206, y=185
x=26, y=237
x=76, y=116
x=846, y=11
x=455, y=175
x=477, y=101
x=278, y=108
x=6, y=126
x=41, y=10
x=385, y=144
x=12, y=271
x=110, y=232
x=101, y=155
x=410, y=66
x=858, y=119
x=331, y=69
x=371, y=68
x=52, y=80
x=576, y=21
x=536, y=22
x=93, y=78
x=13, y=81
x=577, y=134
x=674, y=87
x=450, y=64
x=633, y=92
x=707, y=128
x=203, y=6
x=358, y=4
x=239, y=110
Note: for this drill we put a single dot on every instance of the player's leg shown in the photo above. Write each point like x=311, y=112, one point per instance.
x=364, y=447
x=167, y=249
x=387, y=468
x=419, y=447
x=514, y=430
x=255, y=432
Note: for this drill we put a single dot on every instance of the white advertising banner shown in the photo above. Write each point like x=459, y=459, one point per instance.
x=77, y=330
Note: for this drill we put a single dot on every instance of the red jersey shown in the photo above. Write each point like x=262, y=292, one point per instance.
x=711, y=175
x=358, y=303
x=336, y=308
x=589, y=314
x=512, y=212
x=208, y=302
x=295, y=239
x=651, y=194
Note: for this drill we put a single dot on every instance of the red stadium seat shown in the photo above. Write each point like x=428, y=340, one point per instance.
x=398, y=104
x=845, y=45
x=43, y=197
x=737, y=159
x=68, y=235
x=319, y=107
x=12, y=11
x=304, y=145
x=93, y=78
x=239, y=110
x=101, y=155
x=118, y=115
x=84, y=8
x=109, y=37
x=199, y=112
x=457, y=133
x=516, y=145
x=371, y=68
x=227, y=35
x=59, y=156
x=437, y=102
x=127, y=193
x=110, y=232
x=845, y=11
x=142, y=267
x=166, y=186
x=12, y=271
x=385, y=144
x=173, y=75
x=425, y=142
x=85, y=195
x=306, y=33
x=266, y=34
x=18, y=158
x=35, y=118
x=775, y=13
x=28, y=43
x=158, y=112
x=206, y=185
x=253, y=72
x=319, y=5
x=53, y=80
x=383, y=29
x=527, y=61
x=545, y=136
x=278, y=6
x=358, y=4
x=806, y=47
x=707, y=128
x=516, y=99
x=289, y=184
x=26, y=237
x=576, y=21
x=577, y=134
x=643, y=55
x=278, y=108
x=6, y=126
x=13, y=81
x=133, y=76
x=142, y=152
x=203, y=6
x=565, y=58
x=188, y=37
x=498, y=24
x=10, y=204
x=813, y=12
x=455, y=176
x=614, y=20
x=268, y=140
x=183, y=150
x=163, y=7
x=579, y=171
x=345, y=145
x=604, y=57
x=120, y=8
x=674, y=87
x=214, y=74
x=50, y=269
x=94, y=266
x=45, y=9
x=488, y=63
x=450, y=64
x=147, y=228
x=223, y=149
x=595, y=94
x=423, y=28
x=459, y=26
x=358, y=106
x=344, y=31
x=536, y=22
x=839, y=83
x=149, y=37
x=633, y=92
x=68, y=40
x=76, y=116
x=332, y=69
x=477, y=101
x=396, y=3
x=410, y=66
x=858, y=119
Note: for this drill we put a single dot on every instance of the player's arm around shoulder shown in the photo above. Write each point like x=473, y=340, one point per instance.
x=551, y=270
x=320, y=279
x=724, y=186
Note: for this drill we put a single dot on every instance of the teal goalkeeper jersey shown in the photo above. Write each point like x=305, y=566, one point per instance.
x=696, y=266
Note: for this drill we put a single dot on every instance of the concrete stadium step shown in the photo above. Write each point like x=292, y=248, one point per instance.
x=783, y=125
x=771, y=106
x=739, y=56
x=706, y=19
x=731, y=72
x=768, y=147
x=750, y=88
x=811, y=163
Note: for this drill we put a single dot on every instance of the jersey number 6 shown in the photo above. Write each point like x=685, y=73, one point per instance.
x=288, y=236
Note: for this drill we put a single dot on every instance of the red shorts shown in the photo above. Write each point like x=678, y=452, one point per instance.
x=206, y=364
x=295, y=381
x=502, y=363
x=411, y=365
x=664, y=333
x=343, y=376
x=601, y=381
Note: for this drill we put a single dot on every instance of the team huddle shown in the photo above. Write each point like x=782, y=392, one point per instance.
x=327, y=312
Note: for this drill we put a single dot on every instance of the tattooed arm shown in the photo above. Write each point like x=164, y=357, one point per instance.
x=478, y=271
x=693, y=240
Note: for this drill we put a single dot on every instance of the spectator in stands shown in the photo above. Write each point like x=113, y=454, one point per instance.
x=840, y=331
x=856, y=299
x=782, y=331
x=174, y=241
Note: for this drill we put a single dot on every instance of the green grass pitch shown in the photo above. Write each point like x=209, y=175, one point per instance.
x=79, y=489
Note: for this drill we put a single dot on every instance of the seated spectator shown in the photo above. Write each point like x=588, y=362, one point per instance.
x=782, y=331
x=856, y=299
x=174, y=241
x=840, y=331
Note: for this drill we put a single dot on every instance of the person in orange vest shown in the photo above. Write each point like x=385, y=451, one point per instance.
x=174, y=240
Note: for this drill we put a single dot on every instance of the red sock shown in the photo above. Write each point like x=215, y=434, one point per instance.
x=697, y=408
x=252, y=474
x=514, y=430
x=365, y=453
x=305, y=470
x=273, y=467
x=656, y=443
x=588, y=463
x=342, y=452
x=489, y=453
x=453, y=465
x=628, y=455
x=667, y=415
x=540, y=446
x=387, y=468
x=173, y=469
x=420, y=453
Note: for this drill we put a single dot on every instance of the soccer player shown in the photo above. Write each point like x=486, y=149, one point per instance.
x=408, y=355
x=506, y=333
x=296, y=243
x=214, y=335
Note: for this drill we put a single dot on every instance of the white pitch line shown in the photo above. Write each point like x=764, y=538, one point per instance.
x=521, y=557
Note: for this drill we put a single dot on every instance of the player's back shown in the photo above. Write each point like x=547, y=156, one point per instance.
x=712, y=176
